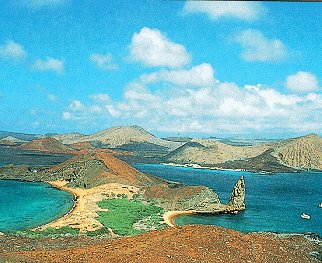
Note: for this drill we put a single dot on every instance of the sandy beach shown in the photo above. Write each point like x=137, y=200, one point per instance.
x=84, y=213
x=170, y=215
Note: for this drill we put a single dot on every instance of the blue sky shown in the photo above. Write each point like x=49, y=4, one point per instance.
x=248, y=69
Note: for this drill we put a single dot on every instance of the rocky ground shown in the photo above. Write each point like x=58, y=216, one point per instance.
x=179, y=244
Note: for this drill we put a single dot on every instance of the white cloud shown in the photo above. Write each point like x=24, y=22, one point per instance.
x=103, y=61
x=112, y=111
x=99, y=97
x=66, y=115
x=12, y=50
x=189, y=106
x=244, y=10
x=259, y=48
x=302, y=82
x=49, y=64
x=95, y=109
x=76, y=105
x=200, y=75
x=42, y=3
x=152, y=48
x=52, y=98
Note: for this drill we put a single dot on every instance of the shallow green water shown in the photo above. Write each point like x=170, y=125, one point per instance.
x=26, y=205
x=273, y=202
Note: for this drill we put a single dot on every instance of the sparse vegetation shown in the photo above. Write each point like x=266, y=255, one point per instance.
x=49, y=232
x=129, y=217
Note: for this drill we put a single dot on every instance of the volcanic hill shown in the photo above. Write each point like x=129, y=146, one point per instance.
x=207, y=151
x=301, y=153
x=49, y=145
x=119, y=136
x=286, y=155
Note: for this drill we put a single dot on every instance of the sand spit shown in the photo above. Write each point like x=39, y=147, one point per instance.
x=169, y=216
x=84, y=213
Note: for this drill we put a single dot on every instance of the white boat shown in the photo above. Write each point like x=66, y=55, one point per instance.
x=320, y=205
x=305, y=216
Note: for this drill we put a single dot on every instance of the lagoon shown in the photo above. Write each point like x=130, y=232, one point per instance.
x=274, y=203
x=25, y=205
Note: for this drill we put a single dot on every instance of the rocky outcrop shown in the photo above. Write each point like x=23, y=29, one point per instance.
x=180, y=197
x=237, y=197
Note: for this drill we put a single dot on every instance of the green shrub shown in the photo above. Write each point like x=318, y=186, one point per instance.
x=123, y=213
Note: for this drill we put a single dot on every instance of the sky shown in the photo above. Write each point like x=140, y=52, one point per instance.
x=187, y=68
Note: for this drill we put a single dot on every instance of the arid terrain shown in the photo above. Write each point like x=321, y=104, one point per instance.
x=179, y=244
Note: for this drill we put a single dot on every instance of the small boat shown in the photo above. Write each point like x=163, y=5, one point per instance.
x=320, y=205
x=305, y=216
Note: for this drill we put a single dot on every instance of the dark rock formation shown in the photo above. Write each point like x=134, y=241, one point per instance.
x=200, y=198
x=237, y=197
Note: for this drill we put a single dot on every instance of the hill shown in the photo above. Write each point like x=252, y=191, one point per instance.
x=125, y=135
x=50, y=145
x=300, y=153
x=120, y=136
x=20, y=136
x=209, y=152
x=194, y=243
x=98, y=168
x=69, y=138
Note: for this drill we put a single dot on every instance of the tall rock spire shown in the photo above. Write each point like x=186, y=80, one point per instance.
x=237, y=196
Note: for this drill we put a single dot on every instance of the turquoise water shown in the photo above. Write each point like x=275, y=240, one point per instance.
x=273, y=202
x=26, y=205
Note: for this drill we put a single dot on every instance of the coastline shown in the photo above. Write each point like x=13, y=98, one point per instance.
x=60, y=186
x=83, y=215
x=171, y=215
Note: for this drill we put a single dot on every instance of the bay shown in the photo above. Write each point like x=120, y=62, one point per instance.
x=274, y=203
x=25, y=205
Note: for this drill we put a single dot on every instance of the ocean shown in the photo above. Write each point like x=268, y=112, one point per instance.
x=274, y=203
x=25, y=205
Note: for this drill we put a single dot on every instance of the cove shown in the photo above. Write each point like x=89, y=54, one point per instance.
x=25, y=205
x=274, y=203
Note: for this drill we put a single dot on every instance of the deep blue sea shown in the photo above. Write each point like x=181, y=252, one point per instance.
x=273, y=202
x=26, y=205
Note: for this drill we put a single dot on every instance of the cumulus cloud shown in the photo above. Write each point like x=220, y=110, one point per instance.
x=12, y=50
x=99, y=97
x=103, y=61
x=216, y=108
x=76, y=105
x=49, y=64
x=243, y=10
x=302, y=82
x=152, y=48
x=52, y=97
x=200, y=75
x=257, y=47
x=66, y=115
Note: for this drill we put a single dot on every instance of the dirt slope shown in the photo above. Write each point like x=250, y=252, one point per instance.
x=303, y=152
x=204, y=151
x=47, y=145
x=180, y=244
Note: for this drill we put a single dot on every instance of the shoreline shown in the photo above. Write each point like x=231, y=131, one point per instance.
x=60, y=186
x=171, y=215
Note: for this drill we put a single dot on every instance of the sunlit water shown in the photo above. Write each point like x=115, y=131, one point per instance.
x=26, y=205
x=273, y=202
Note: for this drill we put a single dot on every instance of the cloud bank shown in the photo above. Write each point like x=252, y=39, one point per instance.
x=244, y=10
